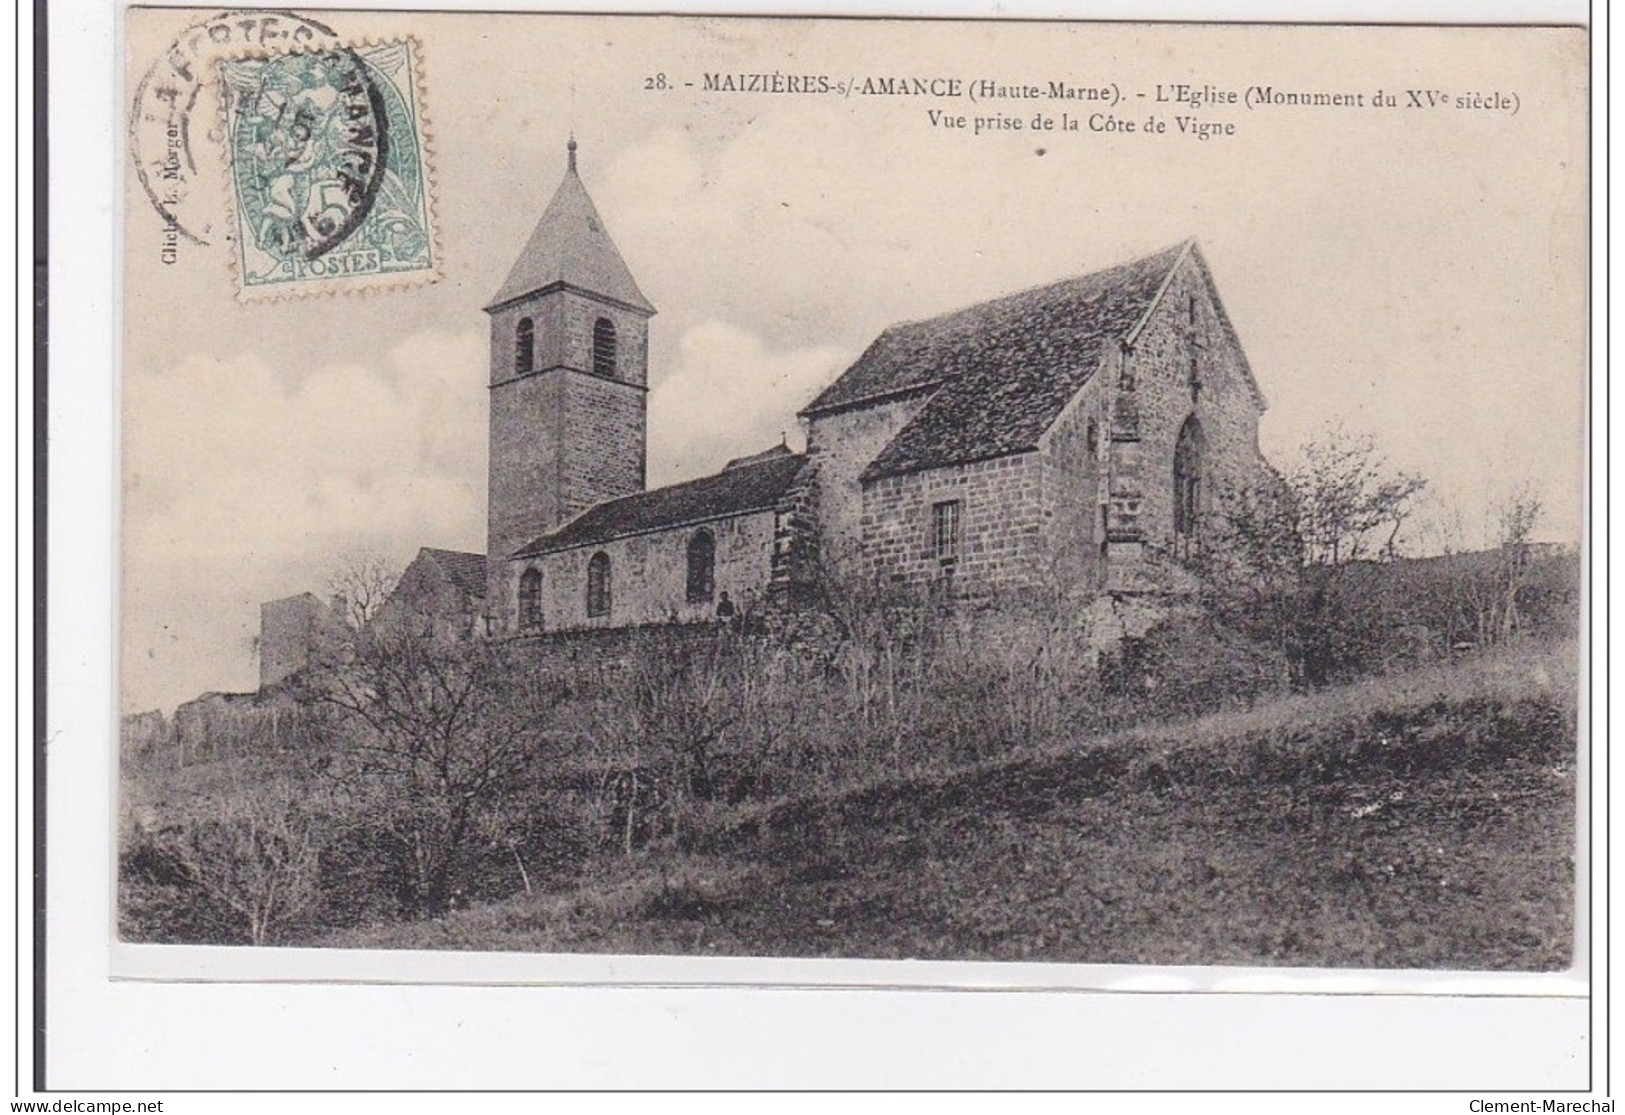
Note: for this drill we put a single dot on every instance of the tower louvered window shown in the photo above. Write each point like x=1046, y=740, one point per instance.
x=603, y=347
x=524, y=346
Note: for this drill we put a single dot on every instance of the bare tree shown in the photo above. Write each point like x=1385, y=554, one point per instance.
x=434, y=739
x=668, y=709
x=1251, y=574
x=253, y=853
x=1488, y=588
x=1516, y=517
x=1350, y=504
x=359, y=584
x=1287, y=566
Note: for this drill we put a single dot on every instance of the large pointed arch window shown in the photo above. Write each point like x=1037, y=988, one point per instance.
x=598, y=589
x=1188, y=488
x=702, y=567
x=530, y=600
x=603, y=347
x=524, y=346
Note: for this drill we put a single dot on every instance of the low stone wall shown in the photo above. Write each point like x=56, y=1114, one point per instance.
x=212, y=727
x=804, y=631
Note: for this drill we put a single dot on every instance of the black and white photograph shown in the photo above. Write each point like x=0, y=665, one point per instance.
x=852, y=490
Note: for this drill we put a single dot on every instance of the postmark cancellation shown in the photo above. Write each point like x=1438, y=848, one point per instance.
x=328, y=163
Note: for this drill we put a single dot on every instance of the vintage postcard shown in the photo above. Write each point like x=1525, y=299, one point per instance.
x=1055, y=496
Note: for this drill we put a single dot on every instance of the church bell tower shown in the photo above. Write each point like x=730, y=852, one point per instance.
x=569, y=385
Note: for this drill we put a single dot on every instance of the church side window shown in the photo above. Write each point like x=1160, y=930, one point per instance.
x=598, y=590
x=945, y=532
x=524, y=346
x=702, y=565
x=603, y=347
x=530, y=600
x=1187, y=488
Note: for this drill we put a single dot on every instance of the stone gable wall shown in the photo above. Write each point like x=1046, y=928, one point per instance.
x=1077, y=516
x=426, y=593
x=1151, y=399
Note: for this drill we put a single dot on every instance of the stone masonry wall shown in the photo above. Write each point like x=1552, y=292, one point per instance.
x=562, y=321
x=1153, y=397
x=604, y=443
x=649, y=575
x=425, y=594
x=841, y=445
x=219, y=726
x=1224, y=403
x=291, y=629
x=1073, y=494
x=1001, y=540
x=561, y=437
x=525, y=443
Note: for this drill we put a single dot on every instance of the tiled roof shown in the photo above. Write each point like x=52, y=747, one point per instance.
x=466, y=571
x=1003, y=370
x=571, y=245
x=758, y=458
x=733, y=491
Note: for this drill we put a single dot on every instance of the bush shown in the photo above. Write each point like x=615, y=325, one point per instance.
x=1185, y=666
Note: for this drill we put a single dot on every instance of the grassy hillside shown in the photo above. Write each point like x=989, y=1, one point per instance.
x=1420, y=820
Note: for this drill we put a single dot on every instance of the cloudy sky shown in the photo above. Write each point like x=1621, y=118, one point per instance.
x=1419, y=275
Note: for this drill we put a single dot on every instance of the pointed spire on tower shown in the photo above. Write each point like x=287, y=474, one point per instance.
x=570, y=246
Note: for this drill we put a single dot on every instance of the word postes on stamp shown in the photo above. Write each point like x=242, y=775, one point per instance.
x=329, y=170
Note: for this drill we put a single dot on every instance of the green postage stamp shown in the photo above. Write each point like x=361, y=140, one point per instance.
x=330, y=183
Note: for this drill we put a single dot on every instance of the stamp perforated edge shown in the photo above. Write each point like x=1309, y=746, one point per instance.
x=297, y=289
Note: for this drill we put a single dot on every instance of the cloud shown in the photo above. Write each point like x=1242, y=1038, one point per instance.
x=728, y=395
x=241, y=487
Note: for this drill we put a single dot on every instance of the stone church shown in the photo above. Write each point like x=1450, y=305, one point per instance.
x=1070, y=435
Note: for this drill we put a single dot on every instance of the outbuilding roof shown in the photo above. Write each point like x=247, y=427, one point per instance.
x=736, y=490
x=462, y=569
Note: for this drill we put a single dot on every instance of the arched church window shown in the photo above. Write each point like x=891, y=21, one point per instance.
x=1188, y=487
x=530, y=600
x=1091, y=437
x=598, y=598
x=524, y=346
x=603, y=347
x=702, y=564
